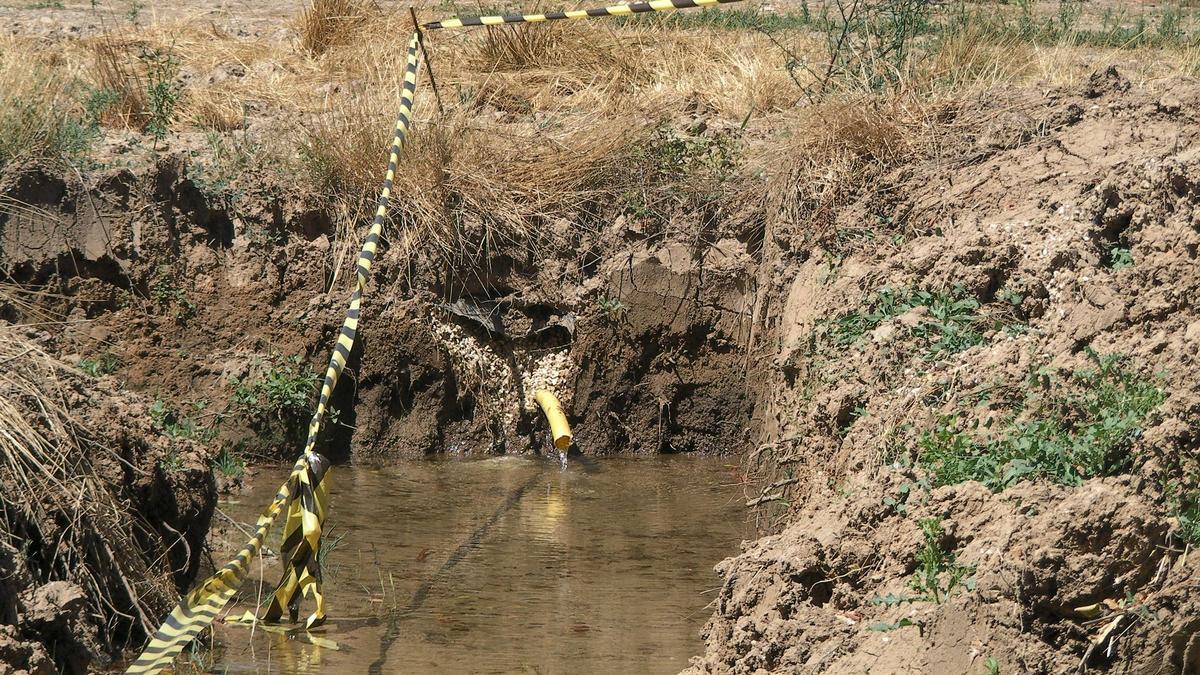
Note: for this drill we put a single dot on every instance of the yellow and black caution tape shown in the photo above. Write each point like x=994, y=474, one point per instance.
x=305, y=493
x=614, y=10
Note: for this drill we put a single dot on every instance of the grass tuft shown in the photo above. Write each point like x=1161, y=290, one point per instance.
x=326, y=24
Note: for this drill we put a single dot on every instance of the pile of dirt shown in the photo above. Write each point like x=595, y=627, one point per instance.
x=103, y=518
x=1024, y=297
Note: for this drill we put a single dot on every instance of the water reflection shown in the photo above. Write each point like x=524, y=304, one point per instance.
x=510, y=565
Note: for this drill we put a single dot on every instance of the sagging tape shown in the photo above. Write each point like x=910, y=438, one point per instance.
x=614, y=10
x=305, y=494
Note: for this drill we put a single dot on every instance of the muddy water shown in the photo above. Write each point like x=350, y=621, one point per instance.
x=509, y=565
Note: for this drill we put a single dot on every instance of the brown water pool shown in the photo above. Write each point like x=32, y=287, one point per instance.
x=504, y=565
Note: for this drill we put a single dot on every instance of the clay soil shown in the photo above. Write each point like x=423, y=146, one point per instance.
x=992, y=253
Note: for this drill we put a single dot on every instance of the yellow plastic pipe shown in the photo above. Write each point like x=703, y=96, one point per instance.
x=560, y=431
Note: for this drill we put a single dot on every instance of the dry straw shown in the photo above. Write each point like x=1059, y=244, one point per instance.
x=56, y=509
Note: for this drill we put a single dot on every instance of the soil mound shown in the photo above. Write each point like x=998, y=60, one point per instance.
x=103, y=517
x=977, y=341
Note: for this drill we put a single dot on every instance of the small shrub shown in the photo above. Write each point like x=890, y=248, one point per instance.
x=162, y=90
x=277, y=403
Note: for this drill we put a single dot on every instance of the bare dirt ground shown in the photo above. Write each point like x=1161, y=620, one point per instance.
x=946, y=313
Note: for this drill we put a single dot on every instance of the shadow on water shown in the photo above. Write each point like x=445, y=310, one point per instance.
x=509, y=564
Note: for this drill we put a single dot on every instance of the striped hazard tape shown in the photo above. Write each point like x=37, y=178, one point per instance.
x=305, y=493
x=614, y=10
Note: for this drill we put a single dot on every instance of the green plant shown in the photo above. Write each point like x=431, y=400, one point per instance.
x=891, y=600
x=1183, y=497
x=171, y=462
x=1085, y=429
x=104, y=363
x=174, y=424
x=991, y=665
x=1119, y=257
x=612, y=308
x=214, y=172
x=162, y=90
x=938, y=573
x=885, y=627
x=167, y=294
x=1010, y=296
x=869, y=43
x=276, y=403
x=230, y=464
x=951, y=325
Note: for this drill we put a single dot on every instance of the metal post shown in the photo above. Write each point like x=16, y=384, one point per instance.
x=428, y=64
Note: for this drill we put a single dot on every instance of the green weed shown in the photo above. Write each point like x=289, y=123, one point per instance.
x=727, y=19
x=938, y=573
x=885, y=627
x=1118, y=257
x=1184, y=502
x=162, y=90
x=277, y=403
x=105, y=363
x=214, y=172
x=175, y=424
x=230, y=464
x=891, y=600
x=612, y=308
x=167, y=294
x=951, y=326
x=1085, y=431
x=1010, y=296
x=171, y=462
x=991, y=665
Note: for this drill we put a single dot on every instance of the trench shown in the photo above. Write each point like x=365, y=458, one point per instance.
x=505, y=565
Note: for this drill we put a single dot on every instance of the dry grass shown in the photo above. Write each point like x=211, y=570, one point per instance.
x=35, y=106
x=325, y=24
x=564, y=105
x=115, y=69
x=55, y=508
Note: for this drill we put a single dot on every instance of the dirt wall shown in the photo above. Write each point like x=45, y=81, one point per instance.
x=963, y=310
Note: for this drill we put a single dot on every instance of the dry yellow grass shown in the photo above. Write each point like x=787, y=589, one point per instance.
x=544, y=121
x=328, y=23
x=56, y=508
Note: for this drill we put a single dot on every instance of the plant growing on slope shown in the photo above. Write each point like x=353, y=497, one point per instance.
x=938, y=573
x=1086, y=430
x=277, y=402
x=104, y=363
